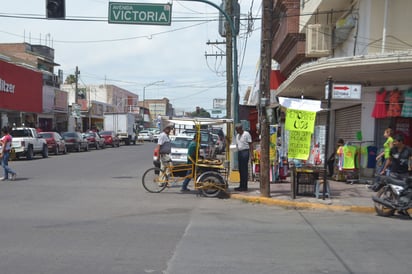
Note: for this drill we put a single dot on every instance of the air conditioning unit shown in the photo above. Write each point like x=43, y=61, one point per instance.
x=318, y=40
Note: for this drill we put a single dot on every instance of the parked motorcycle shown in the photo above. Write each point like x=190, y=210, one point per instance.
x=394, y=195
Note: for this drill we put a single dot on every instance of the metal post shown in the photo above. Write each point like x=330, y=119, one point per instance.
x=325, y=164
x=148, y=85
x=76, y=91
x=235, y=90
x=264, y=95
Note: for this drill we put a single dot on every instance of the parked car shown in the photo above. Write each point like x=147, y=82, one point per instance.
x=145, y=135
x=206, y=141
x=156, y=134
x=27, y=143
x=221, y=143
x=95, y=140
x=55, y=142
x=180, y=146
x=217, y=144
x=110, y=138
x=75, y=141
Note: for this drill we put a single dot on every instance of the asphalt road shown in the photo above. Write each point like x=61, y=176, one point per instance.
x=88, y=213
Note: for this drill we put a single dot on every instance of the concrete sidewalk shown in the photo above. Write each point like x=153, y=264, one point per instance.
x=344, y=197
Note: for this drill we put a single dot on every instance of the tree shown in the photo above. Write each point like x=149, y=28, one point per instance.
x=200, y=112
x=70, y=79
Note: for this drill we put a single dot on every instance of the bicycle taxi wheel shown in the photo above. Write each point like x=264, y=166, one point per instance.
x=211, y=184
x=154, y=180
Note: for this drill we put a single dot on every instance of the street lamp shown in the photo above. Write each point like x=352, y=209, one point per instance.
x=148, y=85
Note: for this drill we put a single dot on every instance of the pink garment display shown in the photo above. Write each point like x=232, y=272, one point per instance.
x=379, y=110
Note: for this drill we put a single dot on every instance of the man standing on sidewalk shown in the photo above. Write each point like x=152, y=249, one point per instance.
x=5, y=147
x=245, y=150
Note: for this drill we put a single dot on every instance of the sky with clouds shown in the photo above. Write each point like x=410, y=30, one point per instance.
x=134, y=56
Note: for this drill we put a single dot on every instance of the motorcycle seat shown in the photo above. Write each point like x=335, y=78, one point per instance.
x=403, y=182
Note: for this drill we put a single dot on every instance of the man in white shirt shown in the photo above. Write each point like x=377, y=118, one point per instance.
x=164, y=146
x=245, y=151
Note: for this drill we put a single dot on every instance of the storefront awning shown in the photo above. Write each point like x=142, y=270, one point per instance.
x=300, y=104
x=380, y=70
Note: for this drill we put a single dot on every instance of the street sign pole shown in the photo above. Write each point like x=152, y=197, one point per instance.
x=235, y=91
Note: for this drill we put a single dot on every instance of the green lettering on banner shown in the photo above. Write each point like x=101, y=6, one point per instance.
x=300, y=120
x=299, y=144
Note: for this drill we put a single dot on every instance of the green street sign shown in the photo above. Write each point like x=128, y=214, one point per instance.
x=139, y=13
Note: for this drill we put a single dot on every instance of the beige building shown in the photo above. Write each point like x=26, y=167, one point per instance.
x=94, y=100
x=158, y=107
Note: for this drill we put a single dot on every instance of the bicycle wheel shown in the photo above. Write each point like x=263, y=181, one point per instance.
x=153, y=181
x=211, y=184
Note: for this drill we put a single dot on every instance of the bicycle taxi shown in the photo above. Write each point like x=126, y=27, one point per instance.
x=209, y=172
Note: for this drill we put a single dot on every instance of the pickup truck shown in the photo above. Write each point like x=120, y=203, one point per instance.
x=26, y=142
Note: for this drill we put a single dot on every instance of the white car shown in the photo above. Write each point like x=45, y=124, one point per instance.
x=156, y=134
x=180, y=145
x=145, y=135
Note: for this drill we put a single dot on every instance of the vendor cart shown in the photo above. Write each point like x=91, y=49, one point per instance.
x=210, y=172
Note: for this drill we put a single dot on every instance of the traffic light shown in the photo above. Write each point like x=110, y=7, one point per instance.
x=56, y=9
x=234, y=15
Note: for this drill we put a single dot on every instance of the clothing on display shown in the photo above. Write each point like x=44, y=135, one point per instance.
x=407, y=104
x=394, y=109
x=349, y=157
x=371, y=157
x=380, y=110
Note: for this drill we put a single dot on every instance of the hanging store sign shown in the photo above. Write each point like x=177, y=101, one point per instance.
x=299, y=144
x=300, y=120
x=300, y=124
x=345, y=91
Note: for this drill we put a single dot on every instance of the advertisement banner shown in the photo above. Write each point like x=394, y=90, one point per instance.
x=299, y=144
x=300, y=120
x=20, y=88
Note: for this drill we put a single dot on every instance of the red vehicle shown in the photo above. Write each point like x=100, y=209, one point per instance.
x=94, y=139
x=55, y=142
x=75, y=141
x=110, y=138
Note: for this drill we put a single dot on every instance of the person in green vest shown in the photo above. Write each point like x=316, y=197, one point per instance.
x=386, y=150
x=191, y=157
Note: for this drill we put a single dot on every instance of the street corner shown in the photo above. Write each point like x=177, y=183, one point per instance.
x=310, y=203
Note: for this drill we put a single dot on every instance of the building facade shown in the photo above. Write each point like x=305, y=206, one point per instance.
x=90, y=103
x=35, y=99
x=364, y=46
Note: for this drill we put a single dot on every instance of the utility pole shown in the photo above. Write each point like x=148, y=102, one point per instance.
x=76, y=88
x=329, y=84
x=229, y=68
x=264, y=94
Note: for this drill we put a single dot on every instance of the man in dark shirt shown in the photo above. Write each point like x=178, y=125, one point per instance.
x=398, y=162
x=399, y=158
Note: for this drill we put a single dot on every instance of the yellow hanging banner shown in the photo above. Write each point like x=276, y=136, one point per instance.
x=299, y=144
x=300, y=120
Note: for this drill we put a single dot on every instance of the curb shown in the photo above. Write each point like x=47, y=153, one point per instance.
x=301, y=205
